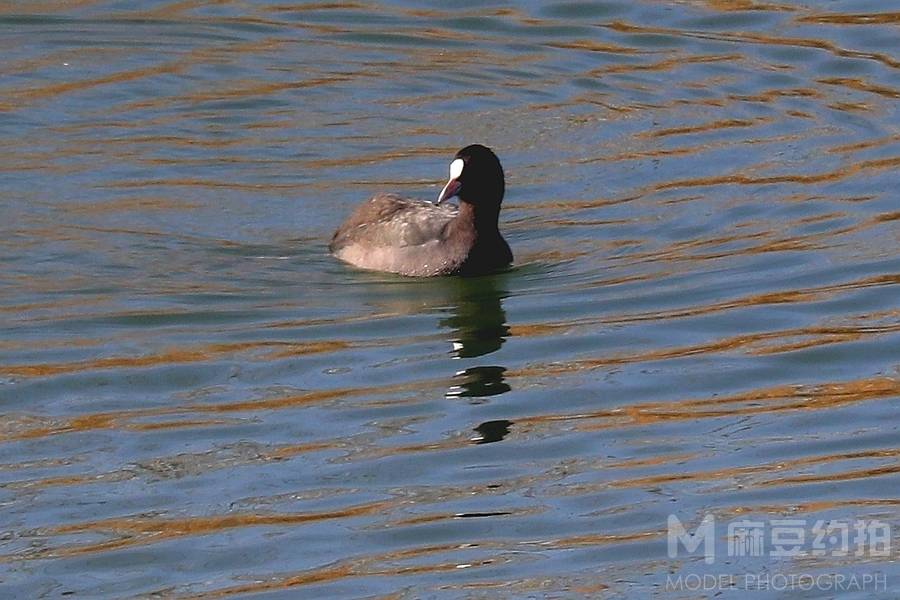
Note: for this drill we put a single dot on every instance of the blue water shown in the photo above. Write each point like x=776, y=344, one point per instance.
x=702, y=318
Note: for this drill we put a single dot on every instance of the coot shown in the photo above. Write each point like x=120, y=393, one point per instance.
x=424, y=239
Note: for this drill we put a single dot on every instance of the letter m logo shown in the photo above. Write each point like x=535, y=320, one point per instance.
x=704, y=534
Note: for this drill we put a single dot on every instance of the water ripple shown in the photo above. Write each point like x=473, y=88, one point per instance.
x=702, y=318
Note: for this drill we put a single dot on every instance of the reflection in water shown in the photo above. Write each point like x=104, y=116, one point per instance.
x=478, y=317
x=478, y=515
x=492, y=431
x=198, y=402
x=479, y=325
x=478, y=382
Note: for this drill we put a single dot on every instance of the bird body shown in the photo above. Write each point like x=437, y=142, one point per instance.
x=424, y=239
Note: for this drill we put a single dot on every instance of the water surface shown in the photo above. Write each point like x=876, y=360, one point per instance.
x=197, y=401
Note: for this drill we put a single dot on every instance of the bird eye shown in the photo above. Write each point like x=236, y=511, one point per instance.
x=456, y=168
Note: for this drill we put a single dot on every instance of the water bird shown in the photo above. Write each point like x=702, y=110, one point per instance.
x=423, y=239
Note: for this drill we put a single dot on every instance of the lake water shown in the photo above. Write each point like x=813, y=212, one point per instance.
x=703, y=321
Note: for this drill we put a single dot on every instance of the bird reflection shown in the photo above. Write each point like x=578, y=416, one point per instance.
x=491, y=431
x=478, y=318
x=472, y=309
x=479, y=327
x=478, y=382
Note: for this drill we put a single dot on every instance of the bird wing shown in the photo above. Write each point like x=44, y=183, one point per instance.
x=389, y=220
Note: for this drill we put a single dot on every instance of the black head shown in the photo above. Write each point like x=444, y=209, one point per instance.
x=476, y=177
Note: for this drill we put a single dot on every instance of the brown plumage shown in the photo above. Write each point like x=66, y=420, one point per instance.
x=421, y=239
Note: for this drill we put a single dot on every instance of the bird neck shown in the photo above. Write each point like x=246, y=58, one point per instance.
x=480, y=218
